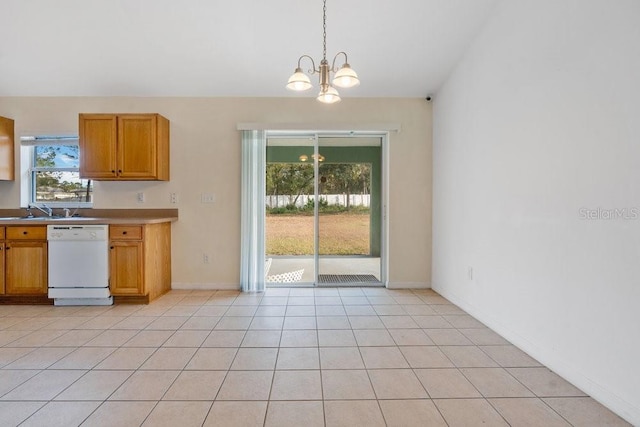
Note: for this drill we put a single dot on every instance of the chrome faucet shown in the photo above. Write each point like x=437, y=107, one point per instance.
x=44, y=209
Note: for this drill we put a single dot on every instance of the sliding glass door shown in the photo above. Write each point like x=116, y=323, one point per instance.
x=324, y=210
x=349, y=210
x=289, y=212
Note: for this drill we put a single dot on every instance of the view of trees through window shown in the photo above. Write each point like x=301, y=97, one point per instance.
x=56, y=176
x=294, y=180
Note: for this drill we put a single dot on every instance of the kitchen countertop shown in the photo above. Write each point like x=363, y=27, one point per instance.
x=91, y=216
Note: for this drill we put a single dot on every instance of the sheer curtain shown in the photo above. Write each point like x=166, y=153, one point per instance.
x=252, y=248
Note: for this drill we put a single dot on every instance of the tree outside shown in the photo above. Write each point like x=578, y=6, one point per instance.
x=296, y=179
x=56, y=176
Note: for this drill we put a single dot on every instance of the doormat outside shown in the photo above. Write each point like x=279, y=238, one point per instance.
x=348, y=279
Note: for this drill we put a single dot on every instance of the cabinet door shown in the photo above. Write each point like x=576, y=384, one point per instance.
x=98, y=135
x=6, y=150
x=26, y=268
x=126, y=266
x=1, y=268
x=137, y=146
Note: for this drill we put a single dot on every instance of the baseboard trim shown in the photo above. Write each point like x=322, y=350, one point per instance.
x=560, y=366
x=235, y=286
x=408, y=285
x=206, y=286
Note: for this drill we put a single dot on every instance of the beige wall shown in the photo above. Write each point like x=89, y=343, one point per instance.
x=205, y=157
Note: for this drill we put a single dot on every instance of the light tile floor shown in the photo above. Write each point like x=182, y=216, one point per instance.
x=291, y=357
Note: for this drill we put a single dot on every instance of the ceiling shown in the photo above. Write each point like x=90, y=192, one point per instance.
x=400, y=48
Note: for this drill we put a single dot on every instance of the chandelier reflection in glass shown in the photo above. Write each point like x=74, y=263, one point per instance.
x=304, y=157
x=344, y=77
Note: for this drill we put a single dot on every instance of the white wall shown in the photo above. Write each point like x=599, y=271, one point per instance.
x=539, y=120
x=205, y=157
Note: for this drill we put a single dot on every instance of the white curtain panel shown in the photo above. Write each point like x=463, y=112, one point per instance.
x=252, y=274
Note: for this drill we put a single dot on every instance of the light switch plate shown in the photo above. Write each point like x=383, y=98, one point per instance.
x=207, y=198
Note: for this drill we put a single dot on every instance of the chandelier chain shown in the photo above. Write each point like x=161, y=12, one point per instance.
x=324, y=30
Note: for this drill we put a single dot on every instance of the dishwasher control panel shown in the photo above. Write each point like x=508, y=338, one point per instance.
x=77, y=232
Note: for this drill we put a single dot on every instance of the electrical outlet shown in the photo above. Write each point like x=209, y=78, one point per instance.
x=207, y=198
x=205, y=258
x=141, y=197
x=173, y=198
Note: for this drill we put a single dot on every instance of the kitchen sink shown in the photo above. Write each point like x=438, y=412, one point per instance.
x=25, y=218
x=37, y=218
x=73, y=218
x=46, y=218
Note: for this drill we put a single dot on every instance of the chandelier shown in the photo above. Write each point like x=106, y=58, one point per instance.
x=344, y=77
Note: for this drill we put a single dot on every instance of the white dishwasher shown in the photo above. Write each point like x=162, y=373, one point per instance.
x=79, y=264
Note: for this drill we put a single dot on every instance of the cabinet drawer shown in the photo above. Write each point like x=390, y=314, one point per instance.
x=26, y=233
x=1, y=233
x=125, y=232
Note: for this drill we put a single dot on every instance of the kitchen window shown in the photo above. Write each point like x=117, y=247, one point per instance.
x=54, y=174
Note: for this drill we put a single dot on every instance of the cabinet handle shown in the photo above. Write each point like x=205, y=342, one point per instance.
x=25, y=232
x=124, y=232
x=111, y=247
x=113, y=171
x=119, y=171
x=8, y=247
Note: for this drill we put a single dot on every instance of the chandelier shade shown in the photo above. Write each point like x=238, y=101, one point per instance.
x=299, y=81
x=343, y=77
x=329, y=96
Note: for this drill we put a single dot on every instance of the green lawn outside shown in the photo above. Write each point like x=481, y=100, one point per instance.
x=343, y=233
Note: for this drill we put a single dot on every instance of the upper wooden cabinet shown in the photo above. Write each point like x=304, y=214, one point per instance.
x=125, y=147
x=7, y=165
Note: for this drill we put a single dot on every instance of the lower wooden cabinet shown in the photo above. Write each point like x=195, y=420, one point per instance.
x=139, y=261
x=25, y=260
x=2, y=290
x=125, y=266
